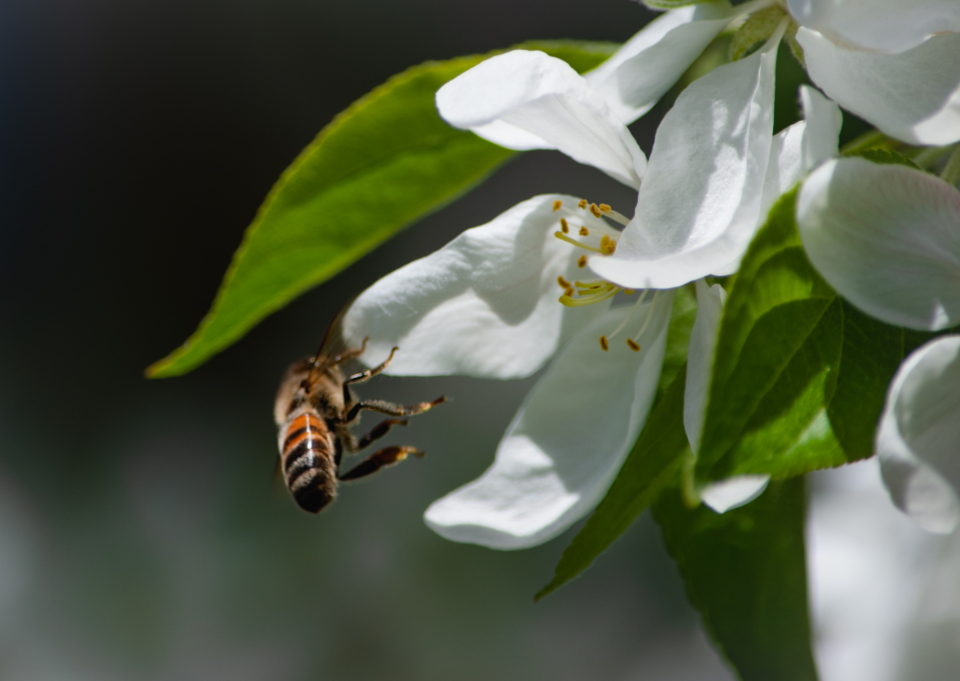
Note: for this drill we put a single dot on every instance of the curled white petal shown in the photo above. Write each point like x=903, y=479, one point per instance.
x=913, y=96
x=803, y=146
x=878, y=25
x=785, y=167
x=524, y=97
x=700, y=356
x=887, y=238
x=483, y=305
x=734, y=492
x=699, y=204
x=821, y=137
x=566, y=444
x=647, y=65
x=918, y=440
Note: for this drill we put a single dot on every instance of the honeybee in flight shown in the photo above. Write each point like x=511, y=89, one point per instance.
x=315, y=409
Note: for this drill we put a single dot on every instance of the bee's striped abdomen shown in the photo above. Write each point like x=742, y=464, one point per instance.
x=306, y=452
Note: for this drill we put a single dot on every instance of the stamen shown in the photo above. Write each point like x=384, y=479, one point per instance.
x=595, y=210
x=570, y=240
x=604, y=208
x=629, y=291
x=630, y=315
x=632, y=344
x=583, y=203
x=604, y=344
x=564, y=226
x=592, y=284
x=563, y=282
x=582, y=261
x=568, y=292
x=608, y=245
x=589, y=299
x=646, y=323
x=557, y=205
x=584, y=231
x=614, y=215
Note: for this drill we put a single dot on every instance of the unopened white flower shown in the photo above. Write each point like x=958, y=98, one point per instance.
x=887, y=238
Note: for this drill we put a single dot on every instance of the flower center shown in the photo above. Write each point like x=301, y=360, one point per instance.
x=598, y=238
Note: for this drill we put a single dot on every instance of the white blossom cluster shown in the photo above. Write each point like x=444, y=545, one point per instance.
x=886, y=237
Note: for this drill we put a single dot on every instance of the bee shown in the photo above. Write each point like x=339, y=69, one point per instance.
x=315, y=409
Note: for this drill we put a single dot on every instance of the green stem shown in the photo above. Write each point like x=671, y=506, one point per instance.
x=868, y=140
x=951, y=171
x=927, y=156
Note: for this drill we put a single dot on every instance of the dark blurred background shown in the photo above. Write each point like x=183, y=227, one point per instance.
x=142, y=534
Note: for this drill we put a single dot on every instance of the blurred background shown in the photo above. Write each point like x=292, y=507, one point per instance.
x=142, y=533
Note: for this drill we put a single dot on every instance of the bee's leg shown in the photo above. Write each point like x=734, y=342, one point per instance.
x=385, y=457
x=364, y=375
x=378, y=432
x=391, y=409
x=347, y=354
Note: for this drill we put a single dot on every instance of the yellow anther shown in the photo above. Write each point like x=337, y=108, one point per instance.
x=633, y=345
x=583, y=203
x=582, y=261
x=595, y=210
x=564, y=226
x=604, y=344
x=557, y=205
x=604, y=208
x=629, y=291
x=592, y=284
x=584, y=231
x=563, y=282
x=569, y=292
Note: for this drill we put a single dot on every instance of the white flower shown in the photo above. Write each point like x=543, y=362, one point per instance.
x=887, y=238
x=486, y=304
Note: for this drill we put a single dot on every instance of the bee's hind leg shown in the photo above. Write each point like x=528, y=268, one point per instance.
x=378, y=432
x=391, y=409
x=385, y=457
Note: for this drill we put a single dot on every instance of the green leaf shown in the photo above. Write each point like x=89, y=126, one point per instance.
x=653, y=462
x=800, y=375
x=682, y=316
x=887, y=156
x=745, y=572
x=385, y=162
x=670, y=4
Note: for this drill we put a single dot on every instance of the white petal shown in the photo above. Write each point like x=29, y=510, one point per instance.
x=483, y=305
x=913, y=96
x=878, y=25
x=699, y=204
x=640, y=72
x=733, y=492
x=919, y=436
x=566, y=444
x=545, y=99
x=510, y=136
x=700, y=356
x=887, y=238
x=785, y=167
x=803, y=146
x=821, y=137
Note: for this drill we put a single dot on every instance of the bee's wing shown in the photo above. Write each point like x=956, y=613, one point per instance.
x=334, y=348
